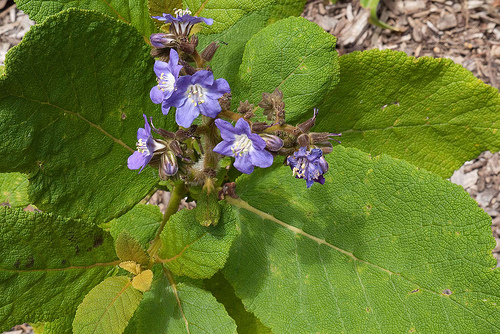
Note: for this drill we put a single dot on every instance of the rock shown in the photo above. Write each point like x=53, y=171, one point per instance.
x=447, y=22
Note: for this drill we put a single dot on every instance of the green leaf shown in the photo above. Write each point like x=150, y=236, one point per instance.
x=294, y=55
x=430, y=112
x=194, y=250
x=2, y=69
x=171, y=307
x=48, y=264
x=71, y=103
x=13, y=189
x=246, y=322
x=141, y=223
x=381, y=247
x=227, y=59
x=129, y=249
x=58, y=326
x=108, y=307
x=131, y=12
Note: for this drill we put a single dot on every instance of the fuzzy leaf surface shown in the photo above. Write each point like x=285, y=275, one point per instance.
x=13, y=189
x=108, y=307
x=48, y=264
x=194, y=250
x=134, y=12
x=381, y=247
x=173, y=307
x=430, y=112
x=71, y=103
x=294, y=55
x=227, y=59
x=141, y=222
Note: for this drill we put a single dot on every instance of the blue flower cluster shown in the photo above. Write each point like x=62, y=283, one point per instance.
x=195, y=91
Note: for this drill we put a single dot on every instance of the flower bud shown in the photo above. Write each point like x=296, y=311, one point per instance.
x=225, y=101
x=307, y=125
x=175, y=147
x=259, y=127
x=188, y=47
x=168, y=165
x=209, y=51
x=304, y=140
x=245, y=107
x=273, y=143
x=323, y=164
x=323, y=137
x=161, y=40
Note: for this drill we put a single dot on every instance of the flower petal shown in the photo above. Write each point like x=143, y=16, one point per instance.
x=137, y=160
x=226, y=129
x=257, y=141
x=224, y=148
x=261, y=158
x=156, y=95
x=210, y=108
x=203, y=78
x=243, y=164
x=242, y=127
x=186, y=114
x=219, y=88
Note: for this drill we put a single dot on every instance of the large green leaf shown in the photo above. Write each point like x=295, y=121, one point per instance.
x=246, y=322
x=48, y=264
x=141, y=222
x=227, y=59
x=134, y=12
x=108, y=307
x=430, y=112
x=381, y=247
x=13, y=189
x=294, y=55
x=194, y=250
x=172, y=307
x=71, y=103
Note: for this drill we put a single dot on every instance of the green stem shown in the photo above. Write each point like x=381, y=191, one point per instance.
x=211, y=140
x=231, y=115
x=176, y=196
x=200, y=63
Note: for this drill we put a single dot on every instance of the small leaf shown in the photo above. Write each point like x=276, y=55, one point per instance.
x=131, y=266
x=240, y=28
x=381, y=247
x=171, y=307
x=58, y=326
x=142, y=282
x=13, y=189
x=70, y=119
x=293, y=55
x=194, y=250
x=430, y=112
x=108, y=307
x=128, y=249
x=141, y=223
x=49, y=263
x=131, y=12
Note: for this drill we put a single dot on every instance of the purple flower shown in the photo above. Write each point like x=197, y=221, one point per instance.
x=167, y=75
x=146, y=146
x=247, y=148
x=182, y=22
x=195, y=94
x=308, y=165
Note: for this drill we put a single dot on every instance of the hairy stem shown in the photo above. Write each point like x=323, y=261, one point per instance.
x=211, y=140
x=200, y=63
x=173, y=205
x=231, y=115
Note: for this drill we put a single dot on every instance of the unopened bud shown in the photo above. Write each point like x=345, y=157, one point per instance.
x=304, y=140
x=225, y=101
x=188, y=47
x=161, y=40
x=245, y=107
x=273, y=105
x=307, y=125
x=326, y=148
x=273, y=143
x=190, y=70
x=323, y=137
x=209, y=51
x=259, y=126
x=175, y=147
x=168, y=165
